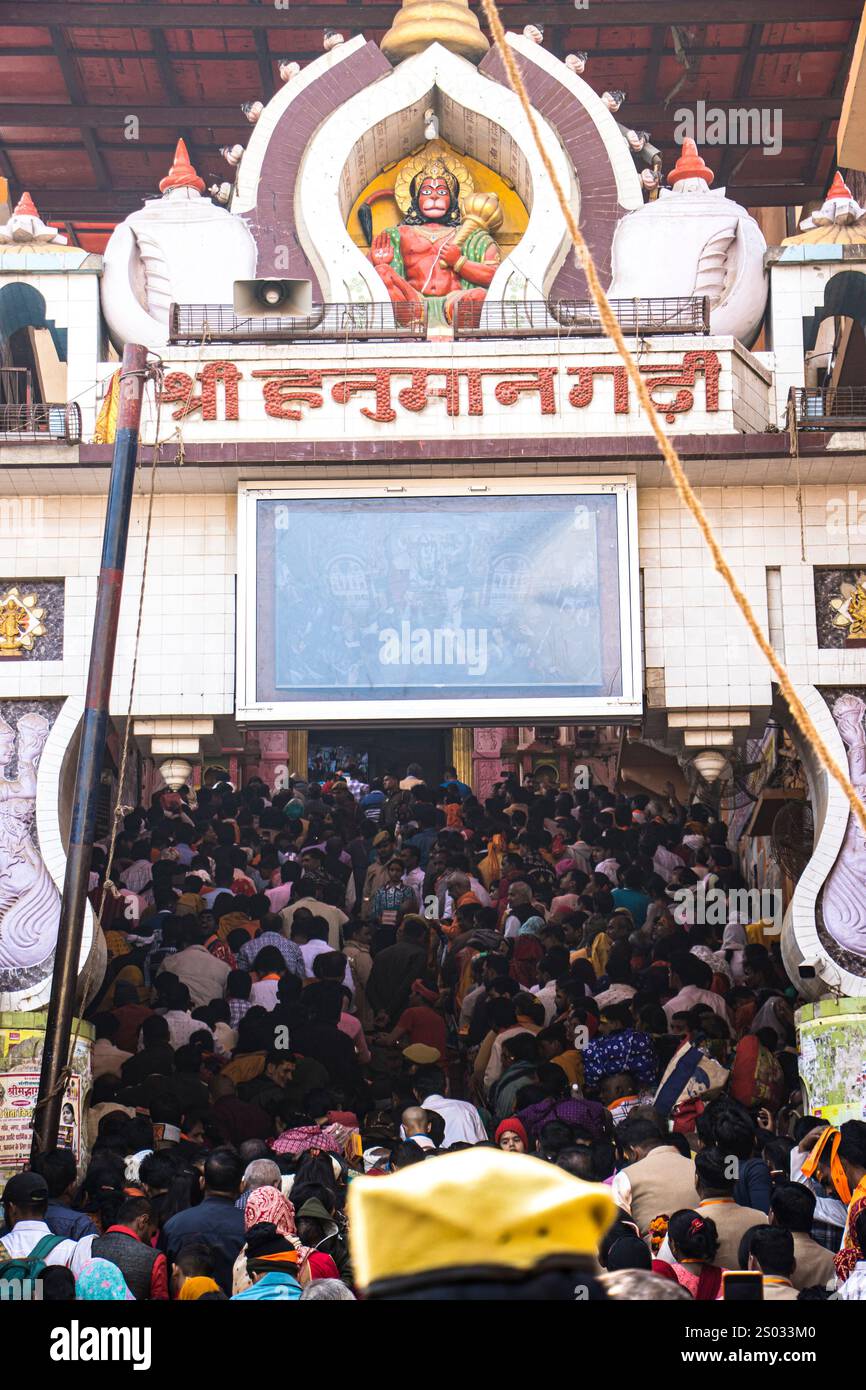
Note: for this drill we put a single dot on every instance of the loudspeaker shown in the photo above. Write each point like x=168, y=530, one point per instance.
x=259, y=298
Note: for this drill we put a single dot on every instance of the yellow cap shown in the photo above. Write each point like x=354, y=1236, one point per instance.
x=479, y=1209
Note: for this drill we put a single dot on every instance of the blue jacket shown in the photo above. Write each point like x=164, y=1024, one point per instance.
x=216, y=1220
x=65, y=1221
x=270, y=1287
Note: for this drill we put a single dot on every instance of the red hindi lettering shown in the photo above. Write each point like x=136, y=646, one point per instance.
x=419, y=393
x=540, y=379
x=473, y=377
x=581, y=393
x=377, y=380
x=179, y=388
x=685, y=376
x=286, y=389
x=215, y=374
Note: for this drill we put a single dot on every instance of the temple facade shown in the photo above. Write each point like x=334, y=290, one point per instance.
x=406, y=504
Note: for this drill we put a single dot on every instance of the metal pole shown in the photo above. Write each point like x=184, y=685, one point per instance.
x=58, y=1029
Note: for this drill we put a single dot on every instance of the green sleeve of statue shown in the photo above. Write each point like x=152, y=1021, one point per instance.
x=475, y=249
x=397, y=263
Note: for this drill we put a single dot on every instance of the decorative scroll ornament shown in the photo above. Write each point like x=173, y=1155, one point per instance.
x=850, y=609
x=20, y=622
x=435, y=161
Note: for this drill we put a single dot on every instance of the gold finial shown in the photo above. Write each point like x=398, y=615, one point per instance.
x=422, y=22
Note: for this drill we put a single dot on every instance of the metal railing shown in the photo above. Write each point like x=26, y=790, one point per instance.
x=829, y=407
x=38, y=423
x=218, y=323
x=578, y=318
x=16, y=386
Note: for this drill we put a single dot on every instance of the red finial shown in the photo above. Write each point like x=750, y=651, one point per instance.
x=838, y=188
x=25, y=207
x=690, y=165
x=181, y=174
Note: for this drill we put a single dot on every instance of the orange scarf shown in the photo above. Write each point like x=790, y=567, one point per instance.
x=858, y=1195
x=837, y=1172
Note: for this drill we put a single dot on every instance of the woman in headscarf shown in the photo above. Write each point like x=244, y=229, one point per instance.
x=268, y=1205
x=264, y=1204
x=734, y=943
x=718, y=963
x=102, y=1281
x=575, y=1111
x=596, y=945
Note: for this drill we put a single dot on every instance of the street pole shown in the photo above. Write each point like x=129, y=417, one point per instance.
x=55, y=1055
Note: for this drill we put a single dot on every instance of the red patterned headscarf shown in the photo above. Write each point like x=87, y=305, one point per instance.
x=267, y=1204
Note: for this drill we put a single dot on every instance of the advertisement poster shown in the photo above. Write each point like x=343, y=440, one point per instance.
x=18, y=1092
x=831, y=1038
x=438, y=597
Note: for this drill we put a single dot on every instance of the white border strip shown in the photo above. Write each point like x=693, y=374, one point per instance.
x=442, y=711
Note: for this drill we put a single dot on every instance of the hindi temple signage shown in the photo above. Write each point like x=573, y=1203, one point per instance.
x=385, y=393
x=466, y=390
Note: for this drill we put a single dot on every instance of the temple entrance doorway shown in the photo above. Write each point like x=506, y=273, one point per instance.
x=377, y=751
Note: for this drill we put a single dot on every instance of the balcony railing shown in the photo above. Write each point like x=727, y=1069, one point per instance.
x=218, y=323
x=829, y=407
x=30, y=423
x=563, y=318
x=578, y=318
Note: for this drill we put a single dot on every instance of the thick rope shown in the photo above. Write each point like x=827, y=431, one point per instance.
x=681, y=483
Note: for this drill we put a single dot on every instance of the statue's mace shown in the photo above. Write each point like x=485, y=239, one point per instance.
x=482, y=212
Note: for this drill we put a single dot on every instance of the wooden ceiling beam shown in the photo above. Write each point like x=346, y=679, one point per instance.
x=166, y=76
x=211, y=55
x=265, y=62
x=744, y=81
x=56, y=116
x=654, y=55
x=76, y=97
x=108, y=204
x=827, y=126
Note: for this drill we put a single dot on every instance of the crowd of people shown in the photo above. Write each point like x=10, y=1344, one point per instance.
x=350, y=1035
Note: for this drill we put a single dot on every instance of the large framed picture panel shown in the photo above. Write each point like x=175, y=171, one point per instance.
x=463, y=601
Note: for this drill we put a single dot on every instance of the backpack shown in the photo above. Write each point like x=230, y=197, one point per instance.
x=22, y=1271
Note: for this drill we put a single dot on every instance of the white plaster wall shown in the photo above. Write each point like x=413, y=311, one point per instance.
x=796, y=290
x=72, y=301
x=693, y=629
x=186, y=658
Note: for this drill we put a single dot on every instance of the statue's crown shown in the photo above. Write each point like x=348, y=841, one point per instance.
x=437, y=169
